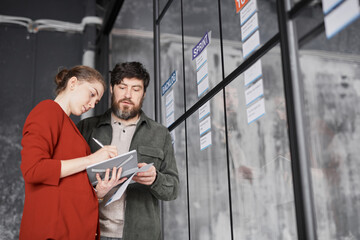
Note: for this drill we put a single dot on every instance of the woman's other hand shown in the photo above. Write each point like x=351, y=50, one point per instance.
x=106, y=184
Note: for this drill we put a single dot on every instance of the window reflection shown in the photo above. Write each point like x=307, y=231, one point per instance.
x=260, y=168
x=199, y=18
x=231, y=30
x=175, y=213
x=332, y=93
x=208, y=178
x=171, y=60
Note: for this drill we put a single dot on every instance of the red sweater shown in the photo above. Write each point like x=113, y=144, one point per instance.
x=55, y=208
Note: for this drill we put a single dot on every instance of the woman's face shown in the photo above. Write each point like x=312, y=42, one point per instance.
x=84, y=96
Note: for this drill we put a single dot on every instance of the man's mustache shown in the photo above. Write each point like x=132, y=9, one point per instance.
x=126, y=100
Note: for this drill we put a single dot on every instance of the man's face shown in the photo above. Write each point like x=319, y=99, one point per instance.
x=127, y=98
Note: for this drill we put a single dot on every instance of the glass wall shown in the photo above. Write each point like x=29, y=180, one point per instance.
x=330, y=71
x=175, y=213
x=227, y=99
x=260, y=163
x=171, y=68
x=232, y=27
x=201, y=18
x=208, y=176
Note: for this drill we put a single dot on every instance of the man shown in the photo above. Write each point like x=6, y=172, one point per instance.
x=136, y=215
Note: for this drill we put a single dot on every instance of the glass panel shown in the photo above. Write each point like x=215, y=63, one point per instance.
x=231, y=30
x=308, y=19
x=135, y=14
x=330, y=70
x=208, y=177
x=201, y=17
x=175, y=213
x=297, y=1
x=162, y=4
x=260, y=165
x=172, y=102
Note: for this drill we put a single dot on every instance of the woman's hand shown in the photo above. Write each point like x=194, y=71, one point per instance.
x=102, y=154
x=106, y=184
x=72, y=166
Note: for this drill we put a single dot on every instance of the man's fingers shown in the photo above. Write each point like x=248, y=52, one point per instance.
x=141, y=164
x=148, y=173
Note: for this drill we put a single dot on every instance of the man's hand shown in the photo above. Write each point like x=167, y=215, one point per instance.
x=146, y=178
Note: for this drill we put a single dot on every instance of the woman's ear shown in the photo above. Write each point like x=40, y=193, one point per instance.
x=72, y=83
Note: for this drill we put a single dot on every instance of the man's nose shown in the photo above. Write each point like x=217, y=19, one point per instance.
x=128, y=93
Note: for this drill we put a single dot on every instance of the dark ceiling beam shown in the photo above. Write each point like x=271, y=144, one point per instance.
x=112, y=10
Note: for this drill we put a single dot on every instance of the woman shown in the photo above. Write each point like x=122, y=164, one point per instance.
x=60, y=203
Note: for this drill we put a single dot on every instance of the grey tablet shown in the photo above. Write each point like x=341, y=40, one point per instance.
x=127, y=161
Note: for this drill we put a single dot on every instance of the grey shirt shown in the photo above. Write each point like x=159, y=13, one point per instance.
x=112, y=216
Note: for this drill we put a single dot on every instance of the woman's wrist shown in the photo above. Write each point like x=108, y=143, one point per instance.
x=99, y=194
x=88, y=160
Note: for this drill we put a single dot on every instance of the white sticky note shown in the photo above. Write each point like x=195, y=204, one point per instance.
x=249, y=27
x=341, y=17
x=201, y=59
x=169, y=97
x=205, y=126
x=328, y=5
x=202, y=73
x=173, y=138
x=203, y=86
x=254, y=92
x=247, y=11
x=205, y=141
x=253, y=73
x=256, y=111
x=170, y=119
x=169, y=109
x=251, y=44
x=204, y=110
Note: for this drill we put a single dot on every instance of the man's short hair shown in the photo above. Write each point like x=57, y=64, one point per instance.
x=129, y=70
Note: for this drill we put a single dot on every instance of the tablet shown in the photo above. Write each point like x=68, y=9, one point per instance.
x=128, y=162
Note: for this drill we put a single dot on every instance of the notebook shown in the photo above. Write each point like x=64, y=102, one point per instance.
x=127, y=161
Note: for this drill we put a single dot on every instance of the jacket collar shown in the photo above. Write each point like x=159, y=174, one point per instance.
x=105, y=119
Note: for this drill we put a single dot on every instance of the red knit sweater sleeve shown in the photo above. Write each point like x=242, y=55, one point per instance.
x=40, y=135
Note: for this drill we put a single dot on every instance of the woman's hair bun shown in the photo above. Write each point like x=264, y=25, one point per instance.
x=59, y=79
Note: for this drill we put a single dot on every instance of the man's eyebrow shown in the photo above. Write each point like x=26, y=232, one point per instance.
x=137, y=85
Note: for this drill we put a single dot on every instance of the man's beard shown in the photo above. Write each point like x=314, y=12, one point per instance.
x=128, y=112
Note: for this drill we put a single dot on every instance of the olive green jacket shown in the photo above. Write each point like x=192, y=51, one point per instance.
x=153, y=144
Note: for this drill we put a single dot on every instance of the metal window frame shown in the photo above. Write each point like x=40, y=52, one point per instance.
x=289, y=43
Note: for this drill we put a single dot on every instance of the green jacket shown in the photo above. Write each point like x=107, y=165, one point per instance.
x=153, y=144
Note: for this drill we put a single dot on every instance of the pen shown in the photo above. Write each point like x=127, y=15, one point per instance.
x=98, y=142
